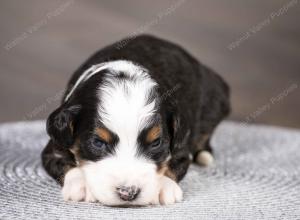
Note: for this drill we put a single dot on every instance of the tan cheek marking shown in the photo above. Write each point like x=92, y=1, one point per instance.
x=104, y=134
x=75, y=152
x=165, y=170
x=153, y=134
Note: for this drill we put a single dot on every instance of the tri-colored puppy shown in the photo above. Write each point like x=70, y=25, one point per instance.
x=133, y=118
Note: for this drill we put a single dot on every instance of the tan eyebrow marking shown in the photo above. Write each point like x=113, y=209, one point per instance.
x=104, y=134
x=153, y=134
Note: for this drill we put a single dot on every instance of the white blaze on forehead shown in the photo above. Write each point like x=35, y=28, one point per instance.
x=118, y=65
x=124, y=106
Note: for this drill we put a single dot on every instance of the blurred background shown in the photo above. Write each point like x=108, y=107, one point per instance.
x=254, y=45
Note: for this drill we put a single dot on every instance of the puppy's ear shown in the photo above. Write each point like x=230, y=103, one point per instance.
x=176, y=134
x=60, y=125
x=179, y=134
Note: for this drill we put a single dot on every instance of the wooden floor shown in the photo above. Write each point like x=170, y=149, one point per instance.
x=254, y=45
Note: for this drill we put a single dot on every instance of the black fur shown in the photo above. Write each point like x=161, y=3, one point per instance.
x=57, y=161
x=193, y=100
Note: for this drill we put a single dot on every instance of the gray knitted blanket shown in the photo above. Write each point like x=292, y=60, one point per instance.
x=256, y=176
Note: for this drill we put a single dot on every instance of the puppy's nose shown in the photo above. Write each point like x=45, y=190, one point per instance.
x=128, y=193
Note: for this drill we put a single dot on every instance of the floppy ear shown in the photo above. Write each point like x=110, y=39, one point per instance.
x=179, y=133
x=176, y=130
x=60, y=125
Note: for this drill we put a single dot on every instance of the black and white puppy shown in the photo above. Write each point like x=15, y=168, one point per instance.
x=132, y=120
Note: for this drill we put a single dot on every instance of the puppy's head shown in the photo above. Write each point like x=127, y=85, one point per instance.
x=115, y=125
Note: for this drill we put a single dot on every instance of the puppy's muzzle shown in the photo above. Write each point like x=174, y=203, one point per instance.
x=128, y=193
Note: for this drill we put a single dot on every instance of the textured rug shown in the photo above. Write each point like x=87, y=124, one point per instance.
x=256, y=176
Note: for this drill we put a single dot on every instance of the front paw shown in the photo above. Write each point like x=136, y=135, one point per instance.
x=75, y=188
x=170, y=191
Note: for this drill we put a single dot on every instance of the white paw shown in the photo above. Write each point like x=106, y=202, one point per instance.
x=75, y=188
x=204, y=158
x=170, y=192
x=89, y=197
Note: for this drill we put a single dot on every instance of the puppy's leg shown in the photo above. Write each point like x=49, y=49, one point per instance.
x=170, y=192
x=204, y=154
x=60, y=164
x=75, y=187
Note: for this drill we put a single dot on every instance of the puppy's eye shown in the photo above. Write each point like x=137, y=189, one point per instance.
x=156, y=142
x=99, y=143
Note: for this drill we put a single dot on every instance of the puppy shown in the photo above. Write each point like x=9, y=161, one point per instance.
x=133, y=118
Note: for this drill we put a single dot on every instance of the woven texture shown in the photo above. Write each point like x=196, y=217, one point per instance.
x=256, y=176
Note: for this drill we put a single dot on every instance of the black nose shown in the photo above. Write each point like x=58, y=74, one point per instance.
x=128, y=193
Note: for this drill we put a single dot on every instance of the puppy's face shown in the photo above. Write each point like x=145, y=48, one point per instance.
x=123, y=168
x=121, y=137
